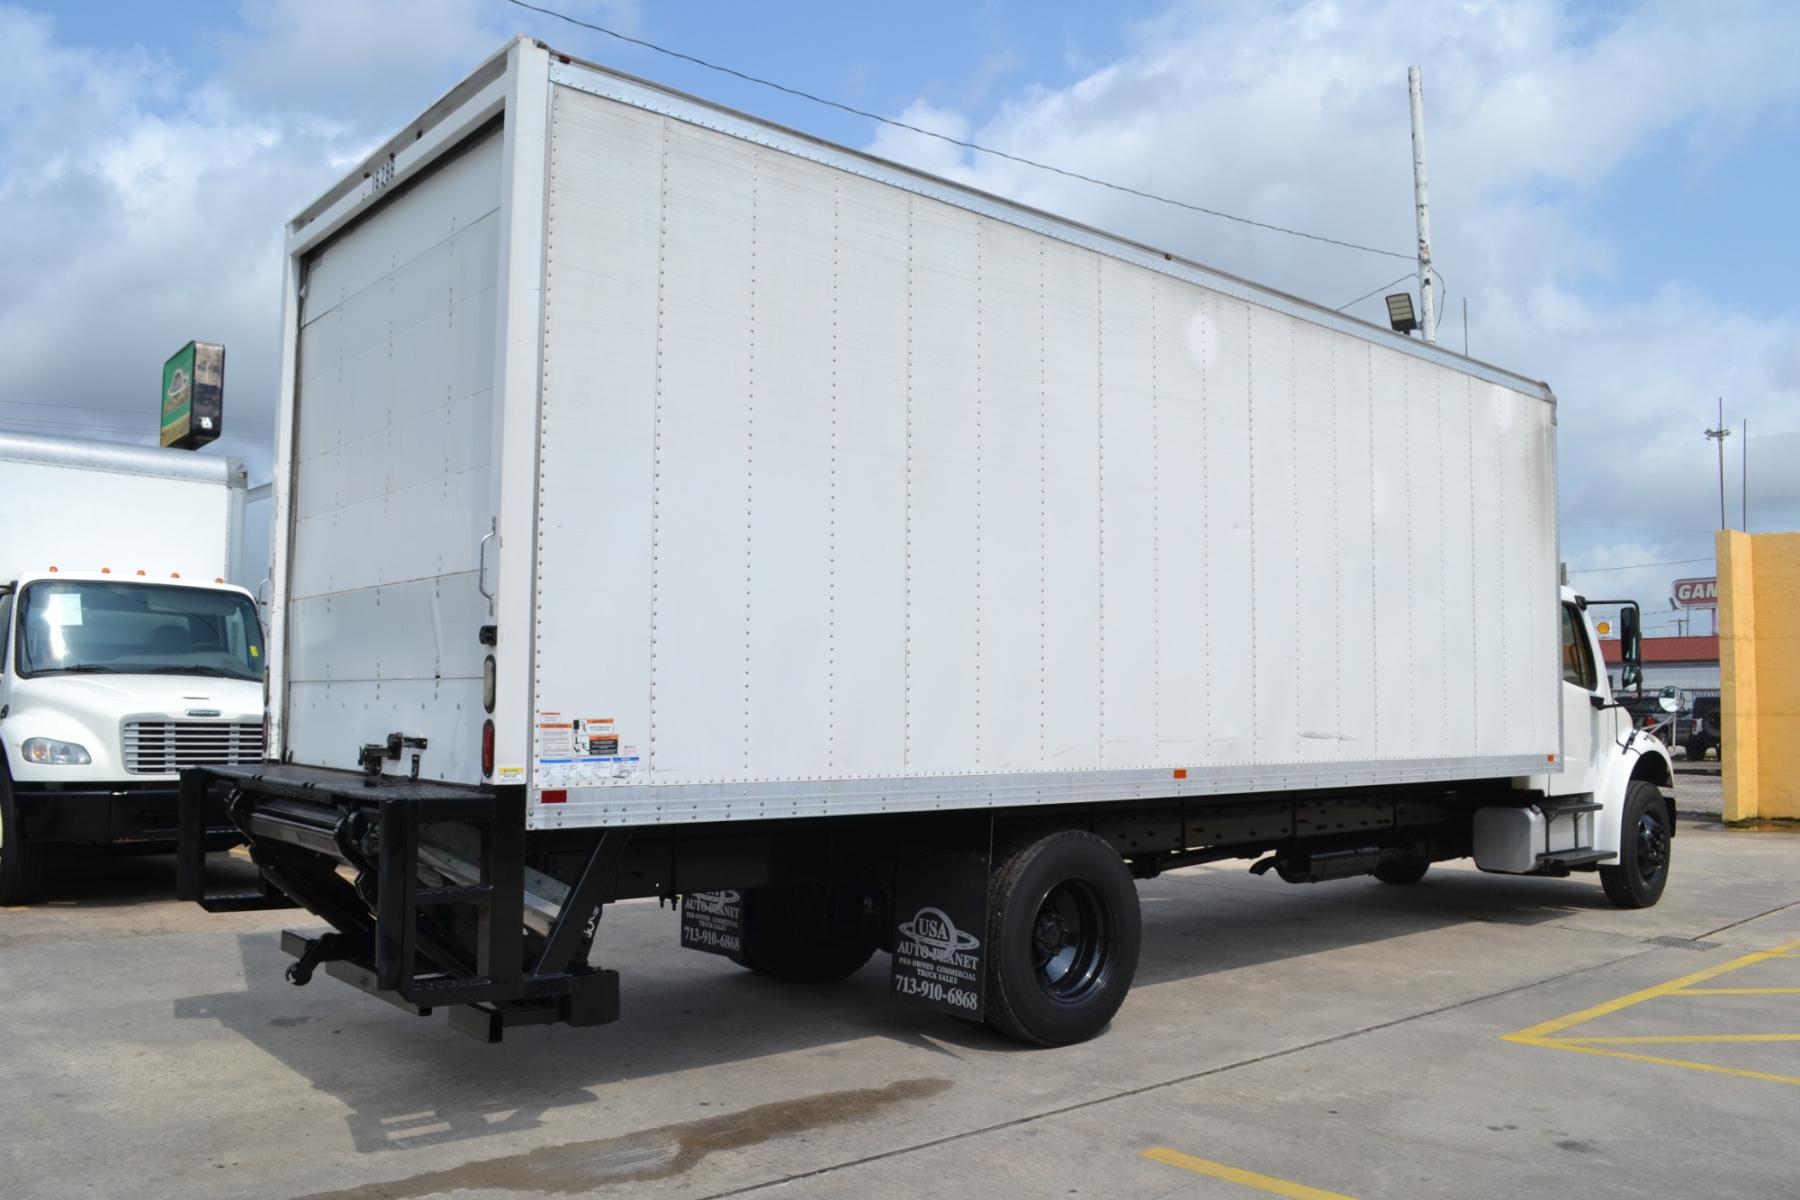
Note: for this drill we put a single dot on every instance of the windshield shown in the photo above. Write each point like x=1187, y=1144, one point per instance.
x=136, y=629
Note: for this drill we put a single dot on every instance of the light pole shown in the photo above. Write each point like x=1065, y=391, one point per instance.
x=1719, y=435
x=1422, y=209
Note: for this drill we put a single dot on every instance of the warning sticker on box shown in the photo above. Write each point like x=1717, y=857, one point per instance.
x=578, y=750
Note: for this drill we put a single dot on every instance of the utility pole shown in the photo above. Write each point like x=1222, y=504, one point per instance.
x=1422, y=202
x=1719, y=435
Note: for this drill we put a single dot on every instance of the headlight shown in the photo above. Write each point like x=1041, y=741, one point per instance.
x=52, y=753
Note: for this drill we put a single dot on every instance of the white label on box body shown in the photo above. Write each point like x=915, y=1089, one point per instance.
x=576, y=751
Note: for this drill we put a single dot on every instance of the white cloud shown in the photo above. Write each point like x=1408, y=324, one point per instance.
x=143, y=199
x=136, y=218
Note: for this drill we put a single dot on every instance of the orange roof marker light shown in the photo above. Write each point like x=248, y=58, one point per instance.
x=216, y=578
x=174, y=574
x=106, y=570
x=53, y=568
x=140, y=570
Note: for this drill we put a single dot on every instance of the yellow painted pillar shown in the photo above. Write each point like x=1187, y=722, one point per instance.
x=1775, y=566
x=1759, y=669
x=1738, y=748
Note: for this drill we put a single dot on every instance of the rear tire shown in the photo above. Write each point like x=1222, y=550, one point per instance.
x=1063, y=932
x=1644, y=850
x=1403, y=872
x=806, y=933
x=21, y=862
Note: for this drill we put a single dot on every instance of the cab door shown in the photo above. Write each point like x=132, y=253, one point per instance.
x=1582, y=701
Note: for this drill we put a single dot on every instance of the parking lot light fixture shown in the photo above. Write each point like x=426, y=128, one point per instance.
x=1400, y=312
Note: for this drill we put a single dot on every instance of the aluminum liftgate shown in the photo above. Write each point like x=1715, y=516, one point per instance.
x=392, y=937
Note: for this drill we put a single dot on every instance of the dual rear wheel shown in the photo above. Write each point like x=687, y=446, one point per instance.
x=1061, y=947
x=1063, y=933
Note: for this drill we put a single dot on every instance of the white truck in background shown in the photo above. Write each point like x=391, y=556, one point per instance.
x=670, y=504
x=125, y=652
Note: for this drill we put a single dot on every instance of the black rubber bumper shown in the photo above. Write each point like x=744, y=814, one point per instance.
x=66, y=816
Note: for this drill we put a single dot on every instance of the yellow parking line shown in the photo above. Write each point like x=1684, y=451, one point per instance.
x=1249, y=1179
x=1567, y=1044
x=1672, y=1039
x=1557, y=1025
x=1549, y=1034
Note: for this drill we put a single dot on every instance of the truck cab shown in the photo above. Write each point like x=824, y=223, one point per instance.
x=110, y=684
x=1604, y=809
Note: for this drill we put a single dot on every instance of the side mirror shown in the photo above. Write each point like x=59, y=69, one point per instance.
x=1631, y=673
x=1668, y=700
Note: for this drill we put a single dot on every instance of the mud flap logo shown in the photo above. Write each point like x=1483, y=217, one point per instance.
x=937, y=962
x=714, y=922
x=936, y=935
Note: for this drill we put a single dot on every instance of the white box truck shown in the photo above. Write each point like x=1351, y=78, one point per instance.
x=125, y=655
x=674, y=505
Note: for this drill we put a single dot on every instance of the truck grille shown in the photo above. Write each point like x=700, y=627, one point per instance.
x=162, y=747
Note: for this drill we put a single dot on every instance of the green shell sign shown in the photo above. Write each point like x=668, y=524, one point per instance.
x=193, y=395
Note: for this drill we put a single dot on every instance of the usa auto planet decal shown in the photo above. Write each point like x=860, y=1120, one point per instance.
x=713, y=922
x=940, y=919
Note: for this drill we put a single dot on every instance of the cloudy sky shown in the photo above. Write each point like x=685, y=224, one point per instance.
x=1613, y=185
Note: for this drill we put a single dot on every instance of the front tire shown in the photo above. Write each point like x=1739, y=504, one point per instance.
x=1645, y=841
x=1063, y=933
x=21, y=861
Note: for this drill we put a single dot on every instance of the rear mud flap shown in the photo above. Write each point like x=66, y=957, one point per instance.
x=714, y=922
x=940, y=930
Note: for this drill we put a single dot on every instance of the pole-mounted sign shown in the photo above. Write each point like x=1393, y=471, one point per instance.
x=193, y=395
x=1697, y=593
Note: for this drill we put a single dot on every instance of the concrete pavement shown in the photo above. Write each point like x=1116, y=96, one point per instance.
x=1344, y=1037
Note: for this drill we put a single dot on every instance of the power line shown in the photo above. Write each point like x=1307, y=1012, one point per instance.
x=1639, y=528
x=943, y=137
x=1673, y=562
x=1384, y=287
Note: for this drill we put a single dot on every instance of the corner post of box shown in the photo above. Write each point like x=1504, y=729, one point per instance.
x=518, y=376
x=281, y=481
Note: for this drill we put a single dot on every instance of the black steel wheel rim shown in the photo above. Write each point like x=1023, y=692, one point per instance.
x=1652, y=846
x=1072, y=942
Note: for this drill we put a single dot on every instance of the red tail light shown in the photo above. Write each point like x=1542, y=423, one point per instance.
x=487, y=748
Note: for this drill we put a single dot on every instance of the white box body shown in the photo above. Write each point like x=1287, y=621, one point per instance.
x=80, y=506
x=80, y=510
x=812, y=485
